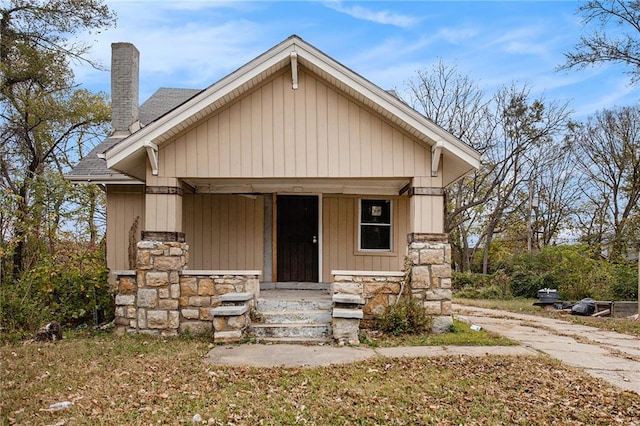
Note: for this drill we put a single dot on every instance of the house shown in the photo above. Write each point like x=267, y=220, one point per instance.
x=292, y=169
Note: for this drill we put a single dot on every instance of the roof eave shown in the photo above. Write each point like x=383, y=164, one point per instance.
x=105, y=180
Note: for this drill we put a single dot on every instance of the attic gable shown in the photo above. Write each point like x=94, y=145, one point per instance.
x=291, y=53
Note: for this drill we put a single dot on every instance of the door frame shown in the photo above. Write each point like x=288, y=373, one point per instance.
x=274, y=236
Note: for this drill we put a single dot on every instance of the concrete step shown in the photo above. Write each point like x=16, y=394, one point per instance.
x=295, y=317
x=295, y=286
x=294, y=340
x=289, y=331
x=287, y=316
x=275, y=305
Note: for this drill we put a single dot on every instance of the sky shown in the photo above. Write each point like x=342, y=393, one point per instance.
x=193, y=44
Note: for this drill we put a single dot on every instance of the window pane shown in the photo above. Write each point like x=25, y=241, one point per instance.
x=375, y=211
x=373, y=237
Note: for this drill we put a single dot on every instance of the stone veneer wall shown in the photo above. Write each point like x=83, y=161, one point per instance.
x=378, y=289
x=200, y=291
x=160, y=298
x=429, y=259
x=429, y=269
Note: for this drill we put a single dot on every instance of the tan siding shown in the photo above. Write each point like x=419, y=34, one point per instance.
x=275, y=131
x=288, y=114
x=334, y=151
x=202, y=149
x=322, y=134
x=340, y=234
x=236, y=121
x=222, y=167
x=124, y=204
x=299, y=131
x=256, y=134
x=268, y=153
x=224, y=231
x=427, y=213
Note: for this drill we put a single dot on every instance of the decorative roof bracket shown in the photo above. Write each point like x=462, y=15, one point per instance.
x=436, y=153
x=294, y=70
x=152, y=153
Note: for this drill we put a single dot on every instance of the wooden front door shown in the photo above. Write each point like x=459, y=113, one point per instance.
x=297, y=238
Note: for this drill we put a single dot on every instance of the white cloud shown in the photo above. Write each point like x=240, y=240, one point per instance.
x=456, y=35
x=384, y=17
x=193, y=51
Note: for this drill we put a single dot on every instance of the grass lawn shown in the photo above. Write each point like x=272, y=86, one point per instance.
x=461, y=335
x=142, y=380
x=525, y=306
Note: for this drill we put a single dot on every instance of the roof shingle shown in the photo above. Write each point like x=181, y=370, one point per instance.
x=162, y=101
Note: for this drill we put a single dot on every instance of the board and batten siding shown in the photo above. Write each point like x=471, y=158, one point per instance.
x=224, y=231
x=124, y=204
x=340, y=237
x=314, y=131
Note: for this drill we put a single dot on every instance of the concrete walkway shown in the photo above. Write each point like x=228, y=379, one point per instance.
x=611, y=356
x=286, y=355
x=608, y=355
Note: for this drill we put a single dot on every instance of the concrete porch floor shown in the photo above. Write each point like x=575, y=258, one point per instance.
x=301, y=295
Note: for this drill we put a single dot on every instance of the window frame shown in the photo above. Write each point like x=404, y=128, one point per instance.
x=385, y=225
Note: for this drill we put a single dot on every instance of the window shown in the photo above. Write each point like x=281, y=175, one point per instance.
x=375, y=225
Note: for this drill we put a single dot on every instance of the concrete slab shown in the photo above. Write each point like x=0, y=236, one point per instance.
x=610, y=356
x=433, y=351
x=274, y=355
x=291, y=355
x=236, y=297
x=604, y=354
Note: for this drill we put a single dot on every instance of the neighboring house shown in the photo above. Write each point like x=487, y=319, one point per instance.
x=291, y=169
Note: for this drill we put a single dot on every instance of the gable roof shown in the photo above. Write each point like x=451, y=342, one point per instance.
x=93, y=167
x=124, y=156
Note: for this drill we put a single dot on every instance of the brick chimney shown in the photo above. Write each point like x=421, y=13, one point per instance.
x=125, y=65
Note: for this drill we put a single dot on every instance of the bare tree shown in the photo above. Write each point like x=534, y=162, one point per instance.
x=614, y=38
x=455, y=103
x=510, y=130
x=554, y=195
x=608, y=152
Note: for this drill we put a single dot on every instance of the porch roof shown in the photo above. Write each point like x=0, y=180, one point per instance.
x=295, y=185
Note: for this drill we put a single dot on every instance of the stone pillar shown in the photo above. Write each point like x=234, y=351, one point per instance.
x=429, y=258
x=126, y=313
x=158, y=269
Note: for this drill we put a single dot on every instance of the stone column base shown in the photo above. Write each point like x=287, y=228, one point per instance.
x=429, y=258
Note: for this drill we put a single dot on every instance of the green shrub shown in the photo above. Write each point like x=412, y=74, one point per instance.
x=407, y=316
x=530, y=272
x=468, y=280
x=69, y=287
x=480, y=286
x=624, y=285
x=576, y=271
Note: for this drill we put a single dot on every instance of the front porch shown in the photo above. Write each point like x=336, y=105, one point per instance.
x=161, y=297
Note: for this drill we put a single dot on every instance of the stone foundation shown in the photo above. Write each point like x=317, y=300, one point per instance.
x=232, y=318
x=429, y=271
x=379, y=290
x=161, y=298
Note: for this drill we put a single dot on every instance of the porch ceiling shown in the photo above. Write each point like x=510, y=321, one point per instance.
x=308, y=186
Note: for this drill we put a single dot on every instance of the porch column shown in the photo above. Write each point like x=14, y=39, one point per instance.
x=161, y=257
x=429, y=252
x=163, y=210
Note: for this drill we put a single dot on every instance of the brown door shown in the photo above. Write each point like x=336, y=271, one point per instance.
x=297, y=238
